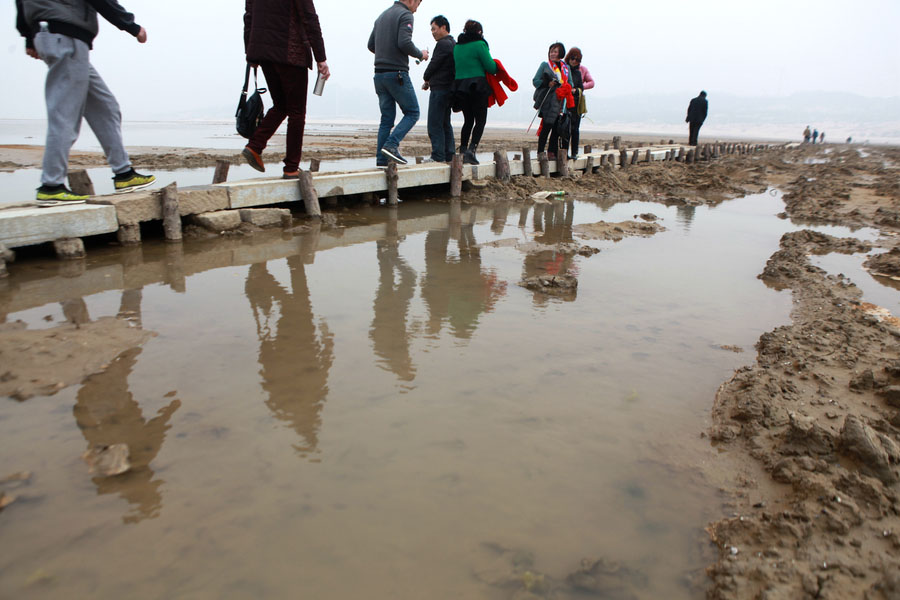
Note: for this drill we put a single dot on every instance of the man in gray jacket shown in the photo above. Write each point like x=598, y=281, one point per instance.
x=391, y=42
x=61, y=33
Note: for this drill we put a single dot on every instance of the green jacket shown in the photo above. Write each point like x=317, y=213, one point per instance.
x=473, y=59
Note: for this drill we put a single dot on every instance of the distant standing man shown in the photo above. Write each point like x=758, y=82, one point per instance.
x=391, y=42
x=282, y=36
x=815, y=135
x=807, y=134
x=438, y=78
x=696, y=114
x=61, y=33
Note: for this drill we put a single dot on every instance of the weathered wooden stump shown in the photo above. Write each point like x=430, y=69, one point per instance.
x=456, y=176
x=220, y=175
x=605, y=147
x=69, y=248
x=589, y=166
x=649, y=157
x=392, y=184
x=635, y=156
x=420, y=160
x=171, y=214
x=616, y=141
x=526, y=161
x=6, y=256
x=80, y=183
x=309, y=195
x=501, y=166
x=588, y=149
x=623, y=158
x=604, y=160
x=562, y=162
x=314, y=164
x=545, y=164
x=129, y=235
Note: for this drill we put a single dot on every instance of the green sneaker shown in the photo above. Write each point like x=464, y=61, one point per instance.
x=131, y=180
x=57, y=195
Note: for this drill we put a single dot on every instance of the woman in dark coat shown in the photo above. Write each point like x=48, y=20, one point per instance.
x=552, y=95
x=472, y=60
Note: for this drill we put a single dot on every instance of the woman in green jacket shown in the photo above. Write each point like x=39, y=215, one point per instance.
x=471, y=90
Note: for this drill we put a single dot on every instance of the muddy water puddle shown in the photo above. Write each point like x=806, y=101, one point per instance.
x=380, y=411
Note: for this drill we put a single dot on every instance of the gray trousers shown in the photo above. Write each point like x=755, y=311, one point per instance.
x=74, y=90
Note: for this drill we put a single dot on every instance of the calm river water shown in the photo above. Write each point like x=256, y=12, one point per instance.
x=380, y=411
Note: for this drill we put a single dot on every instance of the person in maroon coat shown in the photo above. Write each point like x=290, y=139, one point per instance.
x=282, y=36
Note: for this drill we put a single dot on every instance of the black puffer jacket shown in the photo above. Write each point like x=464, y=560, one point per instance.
x=283, y=32
x=74, y=18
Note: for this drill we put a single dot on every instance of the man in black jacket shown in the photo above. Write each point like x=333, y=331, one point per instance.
x=438, y=78
x=696, y=114
x=61, y=33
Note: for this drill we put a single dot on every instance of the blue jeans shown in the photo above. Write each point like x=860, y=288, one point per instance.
x=394, y=88
x=443, y=146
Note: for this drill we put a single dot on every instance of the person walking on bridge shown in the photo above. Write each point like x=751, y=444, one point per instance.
x=61, y=33
x=283, y=36
x=391, y=43
x=696, y=114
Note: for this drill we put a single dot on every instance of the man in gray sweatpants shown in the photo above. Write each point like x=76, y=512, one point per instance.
x=61, y=33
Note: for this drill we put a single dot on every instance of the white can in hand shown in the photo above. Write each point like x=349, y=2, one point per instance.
x=320, y=85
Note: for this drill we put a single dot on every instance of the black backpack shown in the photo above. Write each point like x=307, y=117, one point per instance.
x=250, y=110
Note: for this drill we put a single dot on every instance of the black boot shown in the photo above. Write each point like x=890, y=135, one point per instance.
x=469, y=155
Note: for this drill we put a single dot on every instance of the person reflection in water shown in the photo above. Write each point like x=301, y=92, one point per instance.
x=295, y=355
x=107, y=413
x=552, y=225
x=389, y=332
x=455, y=288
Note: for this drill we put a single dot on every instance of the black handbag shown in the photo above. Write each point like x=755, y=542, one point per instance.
x=564, y=128
x=250, y=110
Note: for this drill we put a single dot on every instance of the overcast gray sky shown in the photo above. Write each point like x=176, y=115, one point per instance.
x=193, y=61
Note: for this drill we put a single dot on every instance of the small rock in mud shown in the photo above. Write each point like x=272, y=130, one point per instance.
x=885, y=265
x=735, y=349
x=647, y=216
x=551, y=284
x=6, y=500
x=19, y=477
x=108, y=461
x=617, y=231
x=874, y=452
x=606, y=578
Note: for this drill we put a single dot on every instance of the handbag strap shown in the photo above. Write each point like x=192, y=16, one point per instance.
x=247, y=80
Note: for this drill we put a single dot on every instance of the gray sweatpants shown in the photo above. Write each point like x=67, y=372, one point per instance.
x=74, y=90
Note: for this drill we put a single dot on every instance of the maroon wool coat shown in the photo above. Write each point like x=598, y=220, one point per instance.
x=285, y=32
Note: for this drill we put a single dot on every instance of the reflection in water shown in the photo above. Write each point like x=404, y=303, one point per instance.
x=457, y=288
x=295, y=356
x=552, y=225
x=389, y=333
x=107, y=413
x=685, y=215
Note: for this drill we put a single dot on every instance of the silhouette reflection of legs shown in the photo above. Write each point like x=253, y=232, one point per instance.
x=389, y=334
x=685, y=214
x=552, y=225
x=107, y=413
x=295, y=355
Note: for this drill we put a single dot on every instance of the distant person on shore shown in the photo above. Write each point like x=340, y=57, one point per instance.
x=439, y=77
x=391, y=43
x=471, y=91
x=581, y=81
x=696, y=115
x=282, y=36
x=552, y=96
x=815, y=135
x=807, y=134
x=61, y=33
x=822, y=138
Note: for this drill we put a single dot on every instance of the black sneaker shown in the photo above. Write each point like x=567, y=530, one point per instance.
x=394, y=155
x=131, y=180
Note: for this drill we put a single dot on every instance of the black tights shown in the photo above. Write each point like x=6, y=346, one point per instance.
x=474, y=110
x=548, y=130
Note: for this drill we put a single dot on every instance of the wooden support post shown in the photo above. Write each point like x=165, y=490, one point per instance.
x=616, y=141
x=588, y=149
x=129, y=235
x=221, y=173
x=80, y=183
x=517, y=157
x=562, y=162
x=6, y=256
x=69, y=248
x=309, y=195
x=635, y=156
x=545, y=164
x=589, y=167
x=314, y=164
x=623, y=158
x=171, y=214
x=604, y=160
x=605, y=147
x=649, y=156
x=501, y=165
x=526, y=161
x=456, y=176
x=420, y=160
